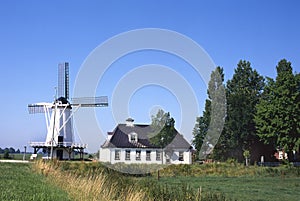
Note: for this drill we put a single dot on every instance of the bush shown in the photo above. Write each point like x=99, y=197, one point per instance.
x=6, y=154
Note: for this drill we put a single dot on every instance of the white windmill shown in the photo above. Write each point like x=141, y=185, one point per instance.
x=59, y=141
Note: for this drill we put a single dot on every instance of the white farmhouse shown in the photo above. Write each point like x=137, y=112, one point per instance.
x=129, y=143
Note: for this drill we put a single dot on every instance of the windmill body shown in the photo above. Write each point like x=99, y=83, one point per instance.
x=60, y=125
x=60, y=142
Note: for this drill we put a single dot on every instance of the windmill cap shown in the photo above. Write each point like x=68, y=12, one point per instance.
x=63, y=100
x=129, y=120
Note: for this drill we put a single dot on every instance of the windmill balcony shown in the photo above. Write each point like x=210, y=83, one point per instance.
x=60, y=144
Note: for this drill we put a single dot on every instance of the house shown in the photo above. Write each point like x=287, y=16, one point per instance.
x=129, y=143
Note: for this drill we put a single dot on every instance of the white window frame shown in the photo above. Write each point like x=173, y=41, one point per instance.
x=158, y=155
x=148, y=155
x=138, y=154
x=127, y=155
x=181, y=156
x=133, y=137
x=117, y=155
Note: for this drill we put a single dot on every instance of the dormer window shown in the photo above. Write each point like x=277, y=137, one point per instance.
x=133, y=137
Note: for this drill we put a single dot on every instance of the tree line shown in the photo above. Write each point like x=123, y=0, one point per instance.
x=259, y=114
x=7, y=151
x=10, y=150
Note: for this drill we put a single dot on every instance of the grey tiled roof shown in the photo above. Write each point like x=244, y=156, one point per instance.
x=119, y=138
x=178, y=143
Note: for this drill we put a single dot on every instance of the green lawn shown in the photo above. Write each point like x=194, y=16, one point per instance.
x=16, y=156
x=243, y=188
x=18, y=182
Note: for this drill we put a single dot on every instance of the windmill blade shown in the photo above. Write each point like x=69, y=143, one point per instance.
x=38, y=107
x=101, y=101
x=63, y=80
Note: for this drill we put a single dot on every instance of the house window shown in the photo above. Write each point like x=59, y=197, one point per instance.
x=181, y=156
x=138, y=155
x=158, y=155
x=117, y=155
x=133, y=137
x=127, y=155
x=148, y=155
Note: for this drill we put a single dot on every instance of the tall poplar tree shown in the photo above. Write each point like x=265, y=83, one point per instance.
x=209, y=126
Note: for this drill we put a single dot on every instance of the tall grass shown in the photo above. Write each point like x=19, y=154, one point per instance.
x=63, y=180
x=94, y=181
x=100, y=186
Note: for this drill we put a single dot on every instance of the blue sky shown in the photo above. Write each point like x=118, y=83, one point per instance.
x=35, y=36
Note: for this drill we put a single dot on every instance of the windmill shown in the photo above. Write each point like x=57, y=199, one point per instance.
x=60, y=142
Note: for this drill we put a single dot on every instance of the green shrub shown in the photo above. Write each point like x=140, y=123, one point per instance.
x=6, y=154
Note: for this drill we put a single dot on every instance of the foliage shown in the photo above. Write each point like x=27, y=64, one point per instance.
x=201, y=128
x=159, y=120
x=209, y=126
x=278, y=113
x=9, y=150
x=246, y=154
x=164, y=131
x=6, y=154
x=243, y=92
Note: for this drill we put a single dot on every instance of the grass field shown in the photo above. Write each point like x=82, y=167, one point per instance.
x=16, y=156
x=243, y=188
x=18, y=183
x=93, y=181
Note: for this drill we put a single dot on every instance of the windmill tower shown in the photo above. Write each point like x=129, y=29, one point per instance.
x=59, y=141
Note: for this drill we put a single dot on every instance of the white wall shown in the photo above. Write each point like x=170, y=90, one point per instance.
x=108, y=155
x=187, y=157
x=104, y=155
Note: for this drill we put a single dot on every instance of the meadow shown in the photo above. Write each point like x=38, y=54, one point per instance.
x=63, y=180
x=16, y=156
x=19, y=182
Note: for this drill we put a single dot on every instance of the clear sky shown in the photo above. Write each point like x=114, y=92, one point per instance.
x=35, y=36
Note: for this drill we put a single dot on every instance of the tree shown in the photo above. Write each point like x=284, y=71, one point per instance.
x=159, y=120
x=246, y=154
x=201, y=127
x=243, y=93
x=11, y=150
x=6, y=154
x=163, y=126
x=278, y=112
x=209, y=126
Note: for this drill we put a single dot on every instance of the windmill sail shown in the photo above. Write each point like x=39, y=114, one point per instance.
x=35, y=108
x=63, y=80
x=100, y=101
x=39, y=107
